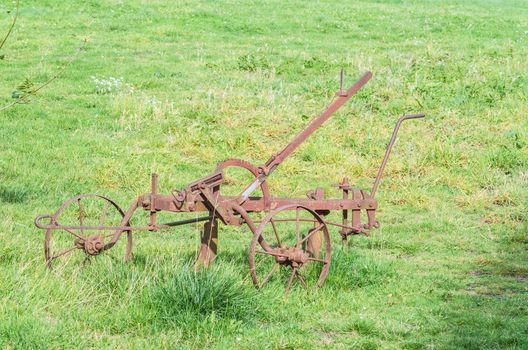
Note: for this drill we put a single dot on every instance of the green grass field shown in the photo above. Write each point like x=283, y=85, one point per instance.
x=199, y=82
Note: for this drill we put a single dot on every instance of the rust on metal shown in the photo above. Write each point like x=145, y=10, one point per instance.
x=293, y=235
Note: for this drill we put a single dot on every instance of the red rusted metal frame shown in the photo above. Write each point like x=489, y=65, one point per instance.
x=256, y=204
x=154, y=202
x=204, y=195
x=157, y=227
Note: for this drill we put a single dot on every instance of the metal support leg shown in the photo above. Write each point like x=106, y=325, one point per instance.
x=208, y=246
x=345, y=187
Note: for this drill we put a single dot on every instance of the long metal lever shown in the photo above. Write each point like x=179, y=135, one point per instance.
x=277, y=159
x=389, y=149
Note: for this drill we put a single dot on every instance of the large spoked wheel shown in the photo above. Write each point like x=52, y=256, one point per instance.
x=292, y=243
x=83, y=230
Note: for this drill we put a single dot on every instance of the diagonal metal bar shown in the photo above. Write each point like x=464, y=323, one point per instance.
x=270, y=253
x=301, y=279
x=278, y=158
x=275, y=231
x=105, y=213
x=82, y=237
x=265, y=280
x=297, y=229
x=64, y=252
x=81, y=214
x=317, y=229
x=291, y=279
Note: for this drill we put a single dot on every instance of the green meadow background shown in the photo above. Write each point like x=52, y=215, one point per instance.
x=174, y=87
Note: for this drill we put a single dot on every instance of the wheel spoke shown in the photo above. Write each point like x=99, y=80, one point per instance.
x=265, y=280
x=301, y=279
x=108, y=235
x=275, y=231
x=270, y=253
x=311, y=233
x=81, y=214
x=291, y=279
x=64, y=252
x=105, y=212
x=297, y=228
x=319, y=260
x=74, y=233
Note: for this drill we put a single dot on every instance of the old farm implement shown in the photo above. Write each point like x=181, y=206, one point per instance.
x=290, y=240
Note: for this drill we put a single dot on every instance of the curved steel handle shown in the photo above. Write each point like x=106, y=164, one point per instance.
x=411, y=116
x=39, y=218
x=389, y=149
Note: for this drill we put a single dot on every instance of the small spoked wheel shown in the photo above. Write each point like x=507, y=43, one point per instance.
x=83, y=230
x=292, y=244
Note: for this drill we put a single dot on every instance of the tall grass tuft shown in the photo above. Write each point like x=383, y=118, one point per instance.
x=350, y=270
x=185, y=298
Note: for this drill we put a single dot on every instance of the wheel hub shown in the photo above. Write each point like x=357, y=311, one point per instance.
x=291, y=256
x=92, y=245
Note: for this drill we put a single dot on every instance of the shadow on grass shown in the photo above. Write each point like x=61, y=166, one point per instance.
x=13, y=195
x=491, y=312
x=487, y=321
